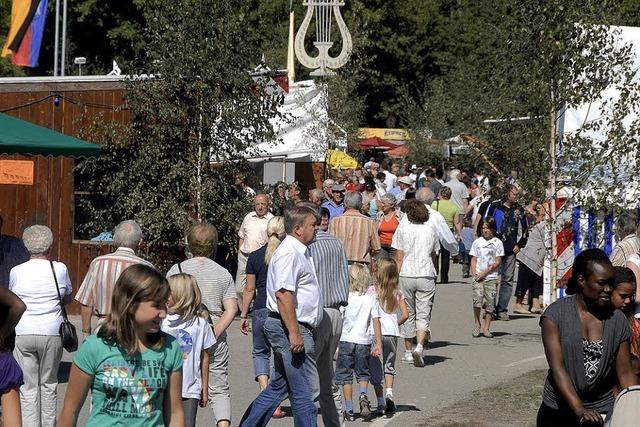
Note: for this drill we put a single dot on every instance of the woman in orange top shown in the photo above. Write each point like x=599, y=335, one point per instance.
x=387, y=222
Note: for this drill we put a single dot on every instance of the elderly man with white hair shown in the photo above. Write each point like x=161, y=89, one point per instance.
x=38, y=347
x=95, y=291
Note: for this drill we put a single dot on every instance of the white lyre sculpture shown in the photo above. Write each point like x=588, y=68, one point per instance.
x=323, y=64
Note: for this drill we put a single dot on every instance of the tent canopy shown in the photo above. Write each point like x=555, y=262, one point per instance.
x=302, y=132
x=340, y=160
x=21, y=137
x=375, y=142
x=399, y=151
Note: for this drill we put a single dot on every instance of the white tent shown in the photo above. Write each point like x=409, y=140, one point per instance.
x=302, y=129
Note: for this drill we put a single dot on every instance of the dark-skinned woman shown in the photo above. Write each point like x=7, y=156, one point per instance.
x=586, y=343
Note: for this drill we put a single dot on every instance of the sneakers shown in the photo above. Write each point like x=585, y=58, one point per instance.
x=418, y=361
x=407, y=358
x=504, y=316
x=379, y=411
x=390, y=406
x=348, y=416
x=365, y=407
x=487, y=334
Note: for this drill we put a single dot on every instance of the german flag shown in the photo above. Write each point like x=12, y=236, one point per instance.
x=25, y=33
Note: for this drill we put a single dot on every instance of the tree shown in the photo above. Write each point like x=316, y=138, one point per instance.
x=192, y=118
x=509, y=75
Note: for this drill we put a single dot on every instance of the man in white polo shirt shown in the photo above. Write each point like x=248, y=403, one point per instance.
x=295, y=309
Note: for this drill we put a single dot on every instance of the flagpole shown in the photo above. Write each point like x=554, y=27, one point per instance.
x=63, y=59
x=56, y=39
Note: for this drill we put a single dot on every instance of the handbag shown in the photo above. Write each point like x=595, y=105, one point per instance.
x=67, y=330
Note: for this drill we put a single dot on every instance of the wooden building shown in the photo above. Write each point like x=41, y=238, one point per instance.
x=65, y=105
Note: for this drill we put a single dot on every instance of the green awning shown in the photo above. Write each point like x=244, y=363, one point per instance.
x=20, y=137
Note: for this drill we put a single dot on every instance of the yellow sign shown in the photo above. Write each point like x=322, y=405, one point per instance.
x=388, y=134
x=16, y=172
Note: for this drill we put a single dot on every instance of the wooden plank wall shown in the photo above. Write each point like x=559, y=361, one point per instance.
x=50, y=200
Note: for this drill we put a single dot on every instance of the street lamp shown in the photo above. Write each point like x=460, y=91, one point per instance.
x=323, y=64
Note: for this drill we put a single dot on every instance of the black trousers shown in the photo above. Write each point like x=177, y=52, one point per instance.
x=444, y=264
x=528, y=280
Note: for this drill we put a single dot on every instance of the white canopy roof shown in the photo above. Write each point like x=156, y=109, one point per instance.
x=302, y=130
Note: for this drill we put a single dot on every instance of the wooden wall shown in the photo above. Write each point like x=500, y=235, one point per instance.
x=50, y=200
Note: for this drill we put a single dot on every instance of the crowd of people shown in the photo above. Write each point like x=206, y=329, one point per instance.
x=328, y=281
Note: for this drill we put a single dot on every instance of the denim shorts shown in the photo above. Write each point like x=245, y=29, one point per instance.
x=352, y=358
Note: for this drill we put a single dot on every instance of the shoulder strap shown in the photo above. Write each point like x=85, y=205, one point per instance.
x=55, y=279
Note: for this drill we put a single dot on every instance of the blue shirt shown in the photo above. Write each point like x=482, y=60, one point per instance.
x=257, y=266
x=334, y=210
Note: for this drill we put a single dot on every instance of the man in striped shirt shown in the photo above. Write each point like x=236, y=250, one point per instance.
x=357, y=232
x=95, y=292
x=332, y=270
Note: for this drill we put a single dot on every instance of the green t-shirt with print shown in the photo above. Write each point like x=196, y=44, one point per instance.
x=127, y=389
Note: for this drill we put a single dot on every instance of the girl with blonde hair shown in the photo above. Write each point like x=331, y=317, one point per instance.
x=355, y=346
x=134, y=370
x=390, y=301
x=257, y=268
x=195, y=338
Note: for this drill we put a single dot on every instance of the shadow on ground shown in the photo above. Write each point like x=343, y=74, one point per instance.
x=440, y=344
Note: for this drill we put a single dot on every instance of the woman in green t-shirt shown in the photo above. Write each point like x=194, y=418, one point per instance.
x=134, y=370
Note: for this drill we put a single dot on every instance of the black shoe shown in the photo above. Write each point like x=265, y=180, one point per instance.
x=365, y=407
x=390, y=406
x=348, y=416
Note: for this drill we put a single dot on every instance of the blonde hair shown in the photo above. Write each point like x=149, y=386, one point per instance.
x=359, y=278
x=387, y=284
x=275, y=231
x=202, y=239
x=185, y=294
x=138, y=283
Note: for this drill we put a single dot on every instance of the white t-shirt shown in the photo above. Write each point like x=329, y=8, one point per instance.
x=291, y=268
x=390, y=180
x=486, y=252
x=33, y=283
x=357, y=318
x=417, y=241
x=193, y=334
x=388, y=321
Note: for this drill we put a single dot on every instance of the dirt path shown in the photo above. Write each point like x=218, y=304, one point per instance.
x=508, y=404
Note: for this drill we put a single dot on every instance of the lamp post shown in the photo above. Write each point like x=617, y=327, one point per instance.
x=323, y=64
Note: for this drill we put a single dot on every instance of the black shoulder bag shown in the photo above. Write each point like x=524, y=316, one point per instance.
x=68, y=333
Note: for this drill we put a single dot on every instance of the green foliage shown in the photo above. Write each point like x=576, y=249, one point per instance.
x=506, y=60
x=191, y=121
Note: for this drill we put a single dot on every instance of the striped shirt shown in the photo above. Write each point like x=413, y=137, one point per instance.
x=358, y=234
x=624, y=249
x=332, y=269
x=104, y=271
x=214, y=281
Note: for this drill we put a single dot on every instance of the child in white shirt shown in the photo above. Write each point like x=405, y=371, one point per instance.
x=486, y=255
x=355, y=342
x=195, y=336
x=389, y=301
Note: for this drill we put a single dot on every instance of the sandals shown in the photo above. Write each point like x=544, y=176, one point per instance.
x=476, y=331
x=521, y=310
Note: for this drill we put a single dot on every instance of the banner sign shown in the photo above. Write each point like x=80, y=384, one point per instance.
x=16, y=172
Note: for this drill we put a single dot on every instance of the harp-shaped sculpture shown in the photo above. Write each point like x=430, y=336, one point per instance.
x=323, y=64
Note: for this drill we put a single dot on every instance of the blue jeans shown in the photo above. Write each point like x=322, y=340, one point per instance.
x=261, y=348
x=352, y=358
x=294, y=374
x=507, y=271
